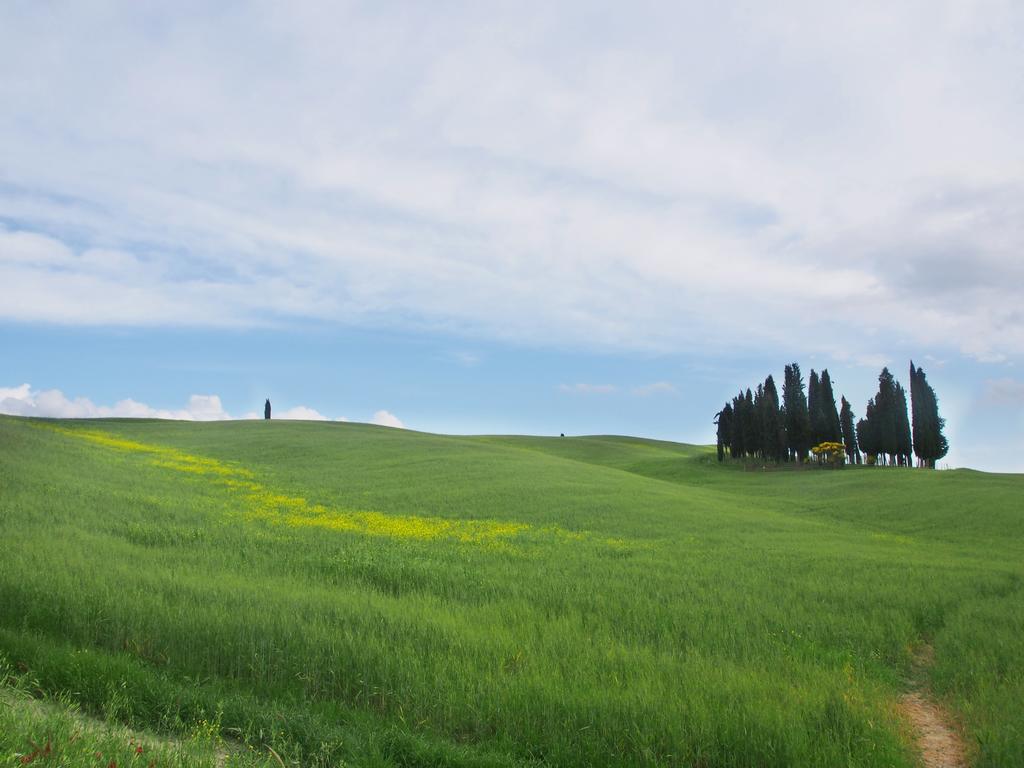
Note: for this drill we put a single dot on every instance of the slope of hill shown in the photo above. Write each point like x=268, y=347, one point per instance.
x=348, y=593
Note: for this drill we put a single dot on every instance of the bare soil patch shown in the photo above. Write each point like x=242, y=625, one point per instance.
x=940, y=743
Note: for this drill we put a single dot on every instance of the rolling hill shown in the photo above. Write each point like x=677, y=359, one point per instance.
x=358, y=595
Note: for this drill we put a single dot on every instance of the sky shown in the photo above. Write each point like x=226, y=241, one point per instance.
x=489, y=217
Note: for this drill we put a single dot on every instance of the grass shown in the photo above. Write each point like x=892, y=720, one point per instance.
x=354, y=595
x=53, y=731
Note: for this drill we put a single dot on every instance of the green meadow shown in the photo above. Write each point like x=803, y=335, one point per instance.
x=344, y=594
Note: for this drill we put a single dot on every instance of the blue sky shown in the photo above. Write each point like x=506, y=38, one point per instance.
x=490, y=217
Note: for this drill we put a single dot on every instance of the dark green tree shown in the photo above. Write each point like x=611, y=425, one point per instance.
x=849, y=433
x=884, y=416
x=832, y=430
x=888, y=428
x=758, y=418
x=917, y=417
x=723, y=420
x=867, y=433
x=930, y=443
x=751, y=436
x=736, y=446
x=903, y=439
x=814, y=408
x=773, y=434
x=797, y=420
x=756, y=425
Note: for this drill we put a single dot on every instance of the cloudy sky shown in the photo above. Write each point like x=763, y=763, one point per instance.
x=511, y=217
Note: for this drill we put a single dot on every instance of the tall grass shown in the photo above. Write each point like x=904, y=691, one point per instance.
x=648, y=607
x=54, y=732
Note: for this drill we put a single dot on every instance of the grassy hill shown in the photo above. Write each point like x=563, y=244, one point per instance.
x=349, y=594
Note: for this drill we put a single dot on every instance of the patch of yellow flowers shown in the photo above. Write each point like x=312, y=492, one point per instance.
x=262, y=503
x=162, y=456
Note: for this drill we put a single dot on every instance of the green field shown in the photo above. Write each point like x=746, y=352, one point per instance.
x=356, y=595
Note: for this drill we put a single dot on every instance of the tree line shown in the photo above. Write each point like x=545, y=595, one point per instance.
x=760, y=425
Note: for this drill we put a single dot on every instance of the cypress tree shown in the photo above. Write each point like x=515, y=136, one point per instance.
x=867, y=433
x=928, y=425
x=737, y=427
x=903, y=439
x=751, y=439
x=849, y=433
x=814, y=408
x=917, y=418
x=787, y=384
x=723, y=419
x=759, y=419
x=833, y=431
x=771, y=424
x=797, y=421
x=756, y=425
x=938, y=425
x=884, y=416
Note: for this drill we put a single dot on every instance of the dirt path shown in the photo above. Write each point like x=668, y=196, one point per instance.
x=937, y=738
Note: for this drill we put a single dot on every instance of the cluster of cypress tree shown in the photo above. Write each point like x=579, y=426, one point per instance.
x=884, y=432
x=757, y=425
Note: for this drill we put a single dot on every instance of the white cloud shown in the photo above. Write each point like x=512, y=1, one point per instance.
x=387, y=419
x=689, y=176
x=52, y=403
x=29, y=248
x=656, y=388
x=20, y=393
x=1005, y=391
x=588, y=389
x=301, y=412
x=206, y=408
